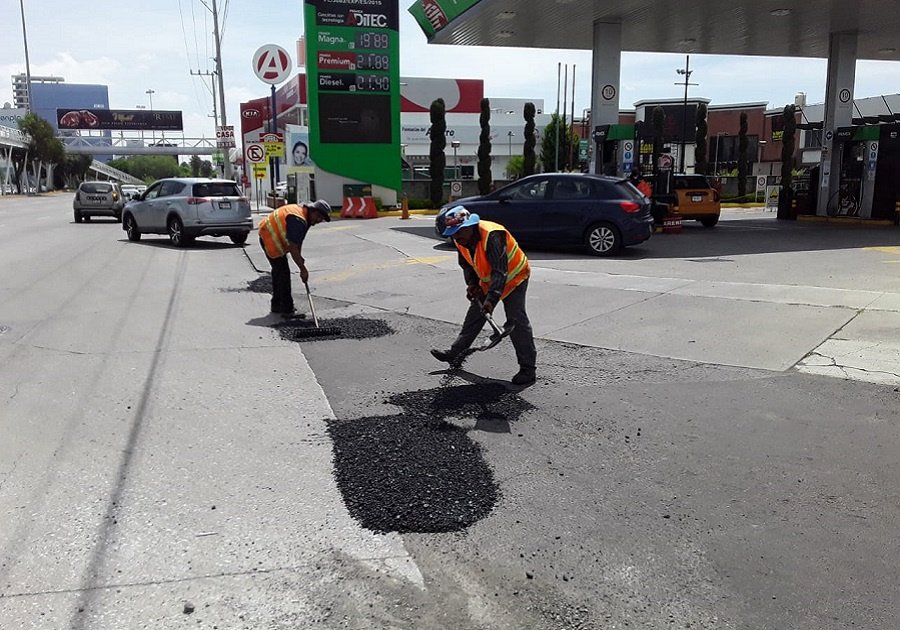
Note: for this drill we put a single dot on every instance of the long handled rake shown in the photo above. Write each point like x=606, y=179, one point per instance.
x=316, y=330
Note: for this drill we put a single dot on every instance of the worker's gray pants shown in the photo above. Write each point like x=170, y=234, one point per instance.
x=522, y=336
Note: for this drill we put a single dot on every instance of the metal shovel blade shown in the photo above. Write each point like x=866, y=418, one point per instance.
x=499, y=333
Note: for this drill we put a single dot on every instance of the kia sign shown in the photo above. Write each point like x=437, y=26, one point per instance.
x=119, y=119
x=271, y=64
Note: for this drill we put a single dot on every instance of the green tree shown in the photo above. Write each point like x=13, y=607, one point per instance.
x=742, y=156
x=786, y=195
x=150, y=167
x=529, y=156
x=206, y=169
x=73, y=171
x=484, y=148
x=438, y=161
x=196, y=163
x=553, y=153
x=701, y=163
x=515, y=167
x=44, y=148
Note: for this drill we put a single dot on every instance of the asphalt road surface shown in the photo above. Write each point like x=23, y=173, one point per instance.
x=172, y=457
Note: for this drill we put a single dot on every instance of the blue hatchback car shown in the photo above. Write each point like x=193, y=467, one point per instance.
x=602, y=214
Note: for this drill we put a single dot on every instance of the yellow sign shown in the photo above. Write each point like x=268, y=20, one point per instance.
x=259, y=171
x=274, y=149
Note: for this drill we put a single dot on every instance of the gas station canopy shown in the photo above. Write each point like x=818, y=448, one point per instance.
x=775, y=28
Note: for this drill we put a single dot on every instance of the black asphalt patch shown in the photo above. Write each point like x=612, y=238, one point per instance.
x=415, y=472
x=262, y=284
x=351, y=328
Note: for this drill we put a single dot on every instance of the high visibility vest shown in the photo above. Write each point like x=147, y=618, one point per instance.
x=517, y=267
x=273, y=229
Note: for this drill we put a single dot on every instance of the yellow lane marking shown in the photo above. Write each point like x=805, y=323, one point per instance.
x=885, y=250
x=359, y=270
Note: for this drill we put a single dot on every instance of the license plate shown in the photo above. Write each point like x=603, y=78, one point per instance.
x=224, y=205
x=697, y=198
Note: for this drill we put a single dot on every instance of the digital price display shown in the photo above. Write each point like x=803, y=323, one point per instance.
x=372, y=40
x=354, y=87
x=373, y=83
x=373, y=61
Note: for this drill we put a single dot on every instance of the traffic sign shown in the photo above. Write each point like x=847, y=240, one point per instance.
x=259, y=171
x=272, y=64
x=256, y=153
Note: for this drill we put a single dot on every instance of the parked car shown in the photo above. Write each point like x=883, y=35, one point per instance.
x=94, y=199
x=281, y=189
x=601, y=213
x=696, y=199
x=185, y=208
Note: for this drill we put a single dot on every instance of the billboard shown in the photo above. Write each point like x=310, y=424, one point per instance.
x=299, y=159
x=10, y=117
x=119, y=119
x=353, y=85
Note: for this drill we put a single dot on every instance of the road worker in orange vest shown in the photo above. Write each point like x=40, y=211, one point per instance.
x=282, y=233
x=495, y=269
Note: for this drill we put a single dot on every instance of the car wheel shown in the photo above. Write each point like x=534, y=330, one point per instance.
x=176, y=232
x=87, y=217
x=131, y=228
x=709, y=221
x=239, y=239
x=602, y=239
x=77, y=217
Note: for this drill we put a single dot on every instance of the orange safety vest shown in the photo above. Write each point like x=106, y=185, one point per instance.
x=645, y=187
x=273, y=229
x=517, y=270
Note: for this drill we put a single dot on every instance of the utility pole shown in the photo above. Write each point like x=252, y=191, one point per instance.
x=215, y=11
x=29, y=108
x=215, y=114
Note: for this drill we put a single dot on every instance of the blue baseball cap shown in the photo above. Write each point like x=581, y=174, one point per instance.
x=458, y=217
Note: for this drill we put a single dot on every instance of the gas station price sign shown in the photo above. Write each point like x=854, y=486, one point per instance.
x=353, y=87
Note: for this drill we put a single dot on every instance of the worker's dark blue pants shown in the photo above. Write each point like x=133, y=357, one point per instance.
x=282, y=300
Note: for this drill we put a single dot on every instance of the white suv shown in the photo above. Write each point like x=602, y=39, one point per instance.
x=185, y=208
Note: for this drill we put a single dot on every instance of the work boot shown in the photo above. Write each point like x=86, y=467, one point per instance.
x=525, y=376
x=447, y=356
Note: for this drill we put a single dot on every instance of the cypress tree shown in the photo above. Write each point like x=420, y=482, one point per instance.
x=700, y=156
x=484, y=148
x=438, y=161
x=742, y=156
x=529, y=156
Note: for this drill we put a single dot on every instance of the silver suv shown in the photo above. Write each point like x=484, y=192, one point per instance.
x=185, y=208
x=98, y=199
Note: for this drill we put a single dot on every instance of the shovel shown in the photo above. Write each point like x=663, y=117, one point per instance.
x=496, y=337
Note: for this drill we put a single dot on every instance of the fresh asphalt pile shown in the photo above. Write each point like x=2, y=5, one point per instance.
x=416, y=472
x=262, y=284
x=350, y=327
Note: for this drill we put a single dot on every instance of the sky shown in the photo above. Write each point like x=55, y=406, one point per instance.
x=138, y=45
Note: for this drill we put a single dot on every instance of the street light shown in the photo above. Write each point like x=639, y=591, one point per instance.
x=455, y=145
x=716, y=163
x=29, y=107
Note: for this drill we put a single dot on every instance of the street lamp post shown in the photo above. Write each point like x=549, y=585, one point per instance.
x=686, y=72
x=455, y=145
